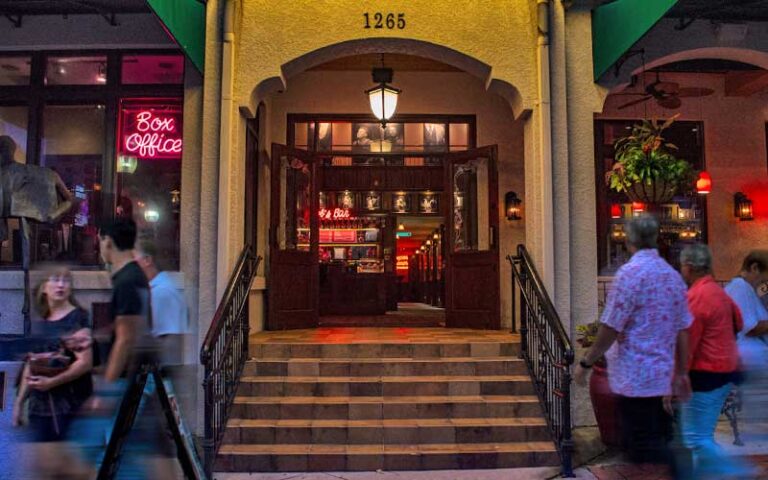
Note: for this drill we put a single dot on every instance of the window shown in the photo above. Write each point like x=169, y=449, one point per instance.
x=14, y=71
x=682, y=221
x=76, y=70
x=13, y=123
x=149, y=172
x=72, y=145
x=76, y=131
x=152, y=69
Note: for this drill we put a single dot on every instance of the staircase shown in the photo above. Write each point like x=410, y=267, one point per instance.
x=459, y=400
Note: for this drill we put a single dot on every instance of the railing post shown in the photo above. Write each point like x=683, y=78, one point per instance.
x=208, y=442
x=566, y=444
x=511, y=261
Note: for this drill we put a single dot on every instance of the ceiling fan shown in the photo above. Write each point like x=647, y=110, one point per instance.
x=667, y=94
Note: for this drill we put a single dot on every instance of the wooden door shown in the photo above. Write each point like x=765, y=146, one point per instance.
x=472, y=246
x=293, y=237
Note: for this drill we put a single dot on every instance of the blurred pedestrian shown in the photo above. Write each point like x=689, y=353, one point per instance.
x=643, y=330
x=752, y=340
x=170, y=321
x=56, y=380
x=713, y=364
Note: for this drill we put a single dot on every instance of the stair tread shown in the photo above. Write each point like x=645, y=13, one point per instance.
x=393, y=399
x=384, y=359
x=393, y=422
x=378, y=449
x=388, y=379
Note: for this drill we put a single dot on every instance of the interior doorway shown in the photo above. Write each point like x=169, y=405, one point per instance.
x=379, y=218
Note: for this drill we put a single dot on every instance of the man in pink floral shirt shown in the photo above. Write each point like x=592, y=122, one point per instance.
x=642, y=328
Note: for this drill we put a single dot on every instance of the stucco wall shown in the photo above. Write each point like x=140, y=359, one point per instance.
x=270, y=34
x=735, y=156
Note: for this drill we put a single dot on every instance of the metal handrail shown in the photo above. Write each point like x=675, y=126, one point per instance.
x=547, y=351
x=225, y=351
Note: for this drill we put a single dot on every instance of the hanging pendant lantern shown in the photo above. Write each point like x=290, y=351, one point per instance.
x=383, y=97
x=615, y=211
x=704, y=183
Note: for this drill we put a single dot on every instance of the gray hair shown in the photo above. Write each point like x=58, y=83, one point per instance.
x=643, y=231
x=698, y=256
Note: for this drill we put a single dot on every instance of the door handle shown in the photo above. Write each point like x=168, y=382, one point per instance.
x=492, y=232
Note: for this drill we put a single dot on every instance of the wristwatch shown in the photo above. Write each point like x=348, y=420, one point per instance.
x=584, y=364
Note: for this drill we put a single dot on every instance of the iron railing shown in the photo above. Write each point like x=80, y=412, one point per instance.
x=547, y=351
x=225, y=351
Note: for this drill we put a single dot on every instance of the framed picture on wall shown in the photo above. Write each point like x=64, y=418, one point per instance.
x=345, y=200
x=366, y=135
x=324, y=136
x=401, y=203
x=373, y=201
x=428, y=203
x=392, y=138
x=435, y=138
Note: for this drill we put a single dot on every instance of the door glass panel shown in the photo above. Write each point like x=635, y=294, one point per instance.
x=471, y=229
x=295, y=209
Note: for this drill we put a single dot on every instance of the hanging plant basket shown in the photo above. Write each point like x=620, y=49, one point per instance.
x=654, y=192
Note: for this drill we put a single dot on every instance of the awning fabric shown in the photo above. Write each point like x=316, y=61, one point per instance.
x=185, y=21
x=616, y=26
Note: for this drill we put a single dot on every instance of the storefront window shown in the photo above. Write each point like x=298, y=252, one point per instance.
x=14, y=71
x=91, y=70
x=683, y=220
x=149, y=172
x=72, y=145
x=13, y=123
x=152, y=69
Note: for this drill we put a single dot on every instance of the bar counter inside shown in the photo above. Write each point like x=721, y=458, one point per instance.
x=345, y=291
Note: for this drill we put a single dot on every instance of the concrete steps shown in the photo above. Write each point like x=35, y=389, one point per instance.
x=462, y=401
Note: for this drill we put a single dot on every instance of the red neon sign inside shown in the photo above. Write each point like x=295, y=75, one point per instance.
x=335, y=214
x=149, y=133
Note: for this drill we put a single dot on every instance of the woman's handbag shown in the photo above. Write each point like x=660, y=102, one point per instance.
x=48, y=364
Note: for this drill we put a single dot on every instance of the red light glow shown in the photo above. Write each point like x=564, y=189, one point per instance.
x=615, y=210
x=704, y=183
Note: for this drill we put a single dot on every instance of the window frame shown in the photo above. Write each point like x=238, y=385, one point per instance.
x=36, y=95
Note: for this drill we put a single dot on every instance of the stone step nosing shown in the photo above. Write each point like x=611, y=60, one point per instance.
x=385, y=379
x=426, y=399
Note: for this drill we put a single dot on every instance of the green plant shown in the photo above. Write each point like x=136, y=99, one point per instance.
x=587, y=333
x=644, y=156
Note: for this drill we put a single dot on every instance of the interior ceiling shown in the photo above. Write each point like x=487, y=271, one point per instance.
x=71, y=7
x=722, y=11
x=421, y=228
x=395, y=61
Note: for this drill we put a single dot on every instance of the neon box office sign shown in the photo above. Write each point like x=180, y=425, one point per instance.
x=151, y=130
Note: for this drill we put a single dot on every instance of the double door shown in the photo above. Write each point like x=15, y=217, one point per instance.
x=470, y=208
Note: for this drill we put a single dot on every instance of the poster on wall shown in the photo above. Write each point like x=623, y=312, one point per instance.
x=324, y=135
x=435, y=138
x=366, y=137
x=392, y=138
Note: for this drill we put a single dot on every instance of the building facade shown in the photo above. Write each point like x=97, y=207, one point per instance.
x=532, y=78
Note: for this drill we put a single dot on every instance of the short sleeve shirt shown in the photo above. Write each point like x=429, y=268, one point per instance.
x=647, y=305
x=169, y=309
x=130, y=297
x=753, y=350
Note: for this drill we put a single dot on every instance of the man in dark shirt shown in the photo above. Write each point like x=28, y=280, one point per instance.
x=130, y=295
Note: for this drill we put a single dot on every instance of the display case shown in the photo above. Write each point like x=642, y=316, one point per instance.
x=354, y=242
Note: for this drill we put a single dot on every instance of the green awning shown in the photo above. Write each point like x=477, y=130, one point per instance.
x=616, y=26
x=185, y=21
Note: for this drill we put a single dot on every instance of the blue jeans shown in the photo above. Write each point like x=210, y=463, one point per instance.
x=698, y=420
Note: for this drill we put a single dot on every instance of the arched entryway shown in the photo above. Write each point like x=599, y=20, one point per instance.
x=323, y=90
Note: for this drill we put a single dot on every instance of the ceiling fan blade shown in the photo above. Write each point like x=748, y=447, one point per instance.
x=672, y=102
x=669, y=88
x=635, y=102
x=695, y=92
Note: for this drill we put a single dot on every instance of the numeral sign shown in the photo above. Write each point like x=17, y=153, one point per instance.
x=378, y=20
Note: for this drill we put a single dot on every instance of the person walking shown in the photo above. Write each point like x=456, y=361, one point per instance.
x=713, y=365
x=643, y=331
x=56, y=381
x=752, y=343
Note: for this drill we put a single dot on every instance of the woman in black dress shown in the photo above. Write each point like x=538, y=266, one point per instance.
x=54, y=395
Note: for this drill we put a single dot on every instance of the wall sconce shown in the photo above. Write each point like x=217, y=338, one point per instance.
x=615, y=211
x=742, y=207
x=383, y=97
x=512, y=206
x=704, y=183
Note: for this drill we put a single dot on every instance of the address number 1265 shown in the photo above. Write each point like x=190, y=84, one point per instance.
x=379, y=20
